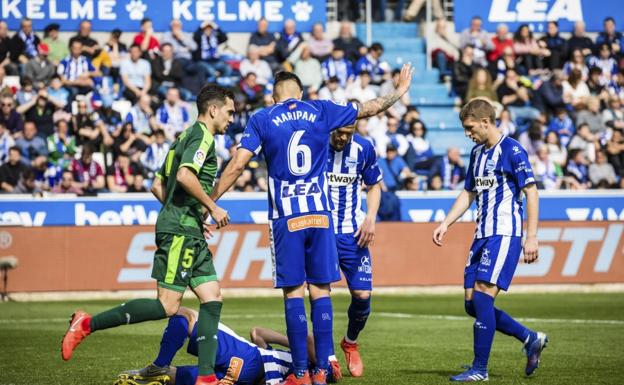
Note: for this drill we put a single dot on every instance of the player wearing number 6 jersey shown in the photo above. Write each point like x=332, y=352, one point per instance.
x=293, y=136
x=498, y=174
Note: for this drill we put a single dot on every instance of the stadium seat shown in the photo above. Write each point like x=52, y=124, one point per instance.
x=440, y=117
x=442, y=140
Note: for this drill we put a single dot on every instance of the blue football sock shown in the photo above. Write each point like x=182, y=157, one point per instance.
x=186, y=375
x=172, y=340
x=322, y=321
x=504, y=323
x=484, y=329
x=358, y=315
x=297, y=331
x=191, y=348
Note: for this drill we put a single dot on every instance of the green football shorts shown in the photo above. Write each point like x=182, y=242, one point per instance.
x=181, y=261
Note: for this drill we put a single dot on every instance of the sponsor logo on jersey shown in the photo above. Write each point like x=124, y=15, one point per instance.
x=365, y=265
x=485, y=182
x=307, y=222
x=199, y=157
x=338, y=180
x=485, y=258
x=300, y=189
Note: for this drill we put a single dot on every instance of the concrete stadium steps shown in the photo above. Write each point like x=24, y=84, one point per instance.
x=441, y=118
x=441, y=140
x=397, y=59
x=404, y=44
x=387, y=31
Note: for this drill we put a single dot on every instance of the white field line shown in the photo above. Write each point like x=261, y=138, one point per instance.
x=428, y=317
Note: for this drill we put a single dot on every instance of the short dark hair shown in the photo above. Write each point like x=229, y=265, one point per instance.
x=212, y=94
x=376, y=47
x=609, y=18
x=15, y=148
x=284, y=76
x=135, y=46
x=145, y=20
x=478, y=109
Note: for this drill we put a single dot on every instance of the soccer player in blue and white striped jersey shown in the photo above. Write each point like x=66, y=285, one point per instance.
x=498, y=174
x=352, y=163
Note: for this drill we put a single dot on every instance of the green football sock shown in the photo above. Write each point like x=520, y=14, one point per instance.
x=131, y=312
x=207, y=328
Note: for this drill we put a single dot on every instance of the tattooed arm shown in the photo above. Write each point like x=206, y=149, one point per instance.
x=382, y=103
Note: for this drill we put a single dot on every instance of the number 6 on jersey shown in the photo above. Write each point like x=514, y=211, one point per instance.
x=299, y=165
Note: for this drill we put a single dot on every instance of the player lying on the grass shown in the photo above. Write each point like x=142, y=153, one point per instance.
x=237, y=361
x=498, y=173
x=352, y=162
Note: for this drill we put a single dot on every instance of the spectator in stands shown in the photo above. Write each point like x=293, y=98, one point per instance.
x=562, y=125
x=415, y=6
x=57, y=94
x=556, y=151
x=254, y=92
x=308, y=69
x=142, y=118
x=394, y=169
x=450, y=168
x=58, y=48
x=595, y=87
x=602, y=174
x=146, y=40
x=155, y=153
x=9, y=117
x=480, y=86
x=555, y=44
x=577, y=61
x=39, y=68
x=575, y=90
x=27, y=184
x=419, y=155
x=90, y=48
x=478, y=38
x=517, y=98
x=25, y=94
x=616, y=87
x=499, y=68
x=181, y=42
x=351, y=46
x=6, y=142
x=398, y=140
x=333, y=91
x=506, y=125
x=31, y=145
x=109, y=121
x=173, y=116
x=67, y=185
x=545, y=170
x=320, y=46
x=576, y=171
x=605, y=62
x=361, y=89
x=615, y=153
x=87, y=173
x=552, y=94
x=288, y=42
x=500, y=41
x=338, y=66
x=5, y=49
x=529, y=54
x=579, y=40
x=40, y=110
x=411, y=114
x=266, y=43
x=592, y=117
x=12, y=170
x=532, y=139
x=584, y=141
x=137, y=185
x=399, y=108
x=136, y=75
x=208, y=38
x=610, y=36
x=443, y=43
x=463, y=70
x=372, y=63
x=23, y=45
x=120, y=174
x=613, y=116
x=253, y=63
x=168, y=72
x=117, y=52
x=61, y=145
x=76, y=71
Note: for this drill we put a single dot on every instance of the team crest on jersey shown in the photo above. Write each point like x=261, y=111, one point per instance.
x=199, y=157
x=292, y=106
x=516, y=150
x=350, y=162
x=490, y=166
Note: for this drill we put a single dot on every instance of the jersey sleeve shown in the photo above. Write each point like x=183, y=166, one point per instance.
x=371, y=173
x=252, y=137
x=339, y=114
x=196, y=148
x=521, y=167
x=469, y=182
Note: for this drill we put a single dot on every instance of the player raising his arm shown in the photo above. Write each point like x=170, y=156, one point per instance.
x=293, y=136
x=182, y=257
x=498, y=173
x=352, y=162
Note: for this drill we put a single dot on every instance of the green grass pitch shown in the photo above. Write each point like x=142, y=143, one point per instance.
x=416, y=339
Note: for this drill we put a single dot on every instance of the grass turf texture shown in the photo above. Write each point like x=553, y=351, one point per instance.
x=408, y=340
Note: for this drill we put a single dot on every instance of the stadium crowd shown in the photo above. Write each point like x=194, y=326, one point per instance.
x=84, y=116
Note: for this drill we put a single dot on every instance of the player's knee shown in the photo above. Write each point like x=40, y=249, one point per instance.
x=171, y=307
x=470, y=310
x=361, y=294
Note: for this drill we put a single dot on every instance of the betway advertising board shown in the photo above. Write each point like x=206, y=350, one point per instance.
x=120, y=257
x=142, y=209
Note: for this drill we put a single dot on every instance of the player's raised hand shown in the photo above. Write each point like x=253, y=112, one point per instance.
x=531, y=248
x=366, y=232
x=439, y=233
x=405, y=78
x=220, y=216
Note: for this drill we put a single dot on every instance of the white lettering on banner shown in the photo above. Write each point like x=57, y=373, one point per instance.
x=59, y=9
x=227, y=11
x=428, y=215
x=22, y=218
x=33, y=9
x=82, y=11
x=9, y=9
x=105, y=9
x=223, y=13
x=250, y=252
x=535, y=11
x=579, y=238
x=597, y=214
x=129, y=215
x=226, y=242
x=140, y=252
x=251, y=11
x=54, y=13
